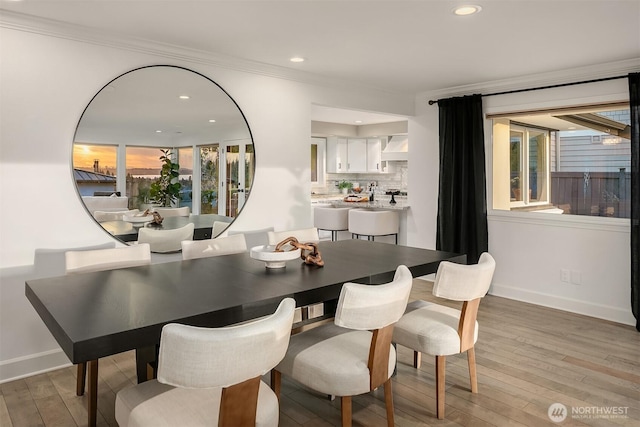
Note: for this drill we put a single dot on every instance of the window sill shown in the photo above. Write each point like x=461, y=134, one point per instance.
x=618, y=225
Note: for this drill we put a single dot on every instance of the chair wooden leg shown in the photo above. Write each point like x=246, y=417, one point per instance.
x=81, y=378
x=388, y=401
x=471, y=356
x=345, y=410
x=417, y=359
x=276, y=382
x=440, y=386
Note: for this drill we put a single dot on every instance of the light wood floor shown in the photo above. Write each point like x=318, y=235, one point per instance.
x=528, y=357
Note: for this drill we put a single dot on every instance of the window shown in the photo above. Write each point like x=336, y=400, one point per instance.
x=94, y=168
x=571, y=161
x=209, y=178
x=143, y=167
x=528, y=162
x=185, y=159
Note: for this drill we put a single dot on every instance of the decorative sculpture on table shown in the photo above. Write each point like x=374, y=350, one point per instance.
x=157, y=219
x=308, y=251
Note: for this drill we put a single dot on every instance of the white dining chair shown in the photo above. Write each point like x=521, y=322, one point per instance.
x=84, y=261
x=164, y=241
x=211, y=376
x=218, y=227
x=254, y=238
x=167, y=212
x=106, y=259
x=192, y=249
x=354, y=355
x=102, y=216
x=442, y=331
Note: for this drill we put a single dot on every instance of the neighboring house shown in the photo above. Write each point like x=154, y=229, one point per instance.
x=91, y=182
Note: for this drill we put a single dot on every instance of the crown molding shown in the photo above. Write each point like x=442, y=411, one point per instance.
x=598, y=71
x=83, y=34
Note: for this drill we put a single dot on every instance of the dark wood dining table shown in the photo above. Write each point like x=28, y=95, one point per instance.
x=92, y=315
x=128, y=232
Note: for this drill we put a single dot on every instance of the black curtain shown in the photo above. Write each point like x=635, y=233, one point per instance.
x=634, y=105
x=462, y=199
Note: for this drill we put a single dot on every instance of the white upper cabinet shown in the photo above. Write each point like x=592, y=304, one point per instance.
x=357, y=155
x=354, y=155
x=337, y=155
x=374, y=154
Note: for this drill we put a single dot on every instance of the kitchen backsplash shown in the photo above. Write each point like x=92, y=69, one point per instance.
x=395, y=180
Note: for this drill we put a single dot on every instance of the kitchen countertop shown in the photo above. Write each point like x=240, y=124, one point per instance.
x=400, y=205
x=380, y=203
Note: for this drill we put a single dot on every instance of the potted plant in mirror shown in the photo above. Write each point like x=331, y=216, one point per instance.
x=345, y=186
x=165, y=191
x=143, y=199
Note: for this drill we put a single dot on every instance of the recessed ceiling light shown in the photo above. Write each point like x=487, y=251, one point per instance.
x=358, y=121
x=467, y=9
x=158, y=131
x=297, y=59
x=184, y=96
x=212, y=121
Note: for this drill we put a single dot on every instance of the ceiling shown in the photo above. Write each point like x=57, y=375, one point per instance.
x=404, y=47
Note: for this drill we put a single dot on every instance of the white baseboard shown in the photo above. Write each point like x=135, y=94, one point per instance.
x=26, y=366
x=614, y=314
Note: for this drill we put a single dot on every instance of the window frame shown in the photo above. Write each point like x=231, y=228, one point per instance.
x=521, y=105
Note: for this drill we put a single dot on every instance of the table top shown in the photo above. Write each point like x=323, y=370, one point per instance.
x=128, y=232
x=92, y=315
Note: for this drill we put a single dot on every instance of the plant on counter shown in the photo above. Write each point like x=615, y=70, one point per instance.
x=345, y=185
x=165, y=191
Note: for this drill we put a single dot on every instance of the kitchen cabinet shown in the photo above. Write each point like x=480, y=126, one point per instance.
x=357, y=155
x=337, y=155
x=354, y=155
x=374, y=155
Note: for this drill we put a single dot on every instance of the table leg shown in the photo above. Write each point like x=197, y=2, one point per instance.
x=92, y=392
x=144, y=356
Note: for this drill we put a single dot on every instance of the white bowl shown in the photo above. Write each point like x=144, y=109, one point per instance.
x=273, y=259
x=138, y=219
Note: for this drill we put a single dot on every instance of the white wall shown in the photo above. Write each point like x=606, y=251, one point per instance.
x=531, y=248
x=47, y=80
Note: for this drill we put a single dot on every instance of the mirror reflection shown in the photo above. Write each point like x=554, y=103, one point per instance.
x=168, y=139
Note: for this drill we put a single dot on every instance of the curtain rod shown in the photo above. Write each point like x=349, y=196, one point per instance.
x=431, y=102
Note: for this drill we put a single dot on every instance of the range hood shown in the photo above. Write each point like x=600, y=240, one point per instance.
x=397, y=149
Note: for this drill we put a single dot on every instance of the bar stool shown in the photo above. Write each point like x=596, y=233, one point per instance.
x=331, y=219
x=363, y=222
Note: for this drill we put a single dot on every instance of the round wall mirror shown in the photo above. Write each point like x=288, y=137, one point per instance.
x=164, y=139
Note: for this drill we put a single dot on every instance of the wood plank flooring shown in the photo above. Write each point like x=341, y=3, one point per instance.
x=528, y=358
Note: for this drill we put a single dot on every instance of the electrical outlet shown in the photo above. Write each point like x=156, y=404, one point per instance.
x=576, y=277
x=565, y=275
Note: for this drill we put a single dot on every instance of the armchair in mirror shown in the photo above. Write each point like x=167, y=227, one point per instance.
x=166, y=137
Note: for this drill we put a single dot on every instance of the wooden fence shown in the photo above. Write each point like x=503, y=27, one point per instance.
x=592, y=193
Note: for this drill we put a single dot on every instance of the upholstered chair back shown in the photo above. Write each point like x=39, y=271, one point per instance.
x=368, y=307
x=192, y=249
x=253, y=238
x=167, y=212
x=196, y=357
x=106, y=259
x=165, y=240
x=461, y=282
